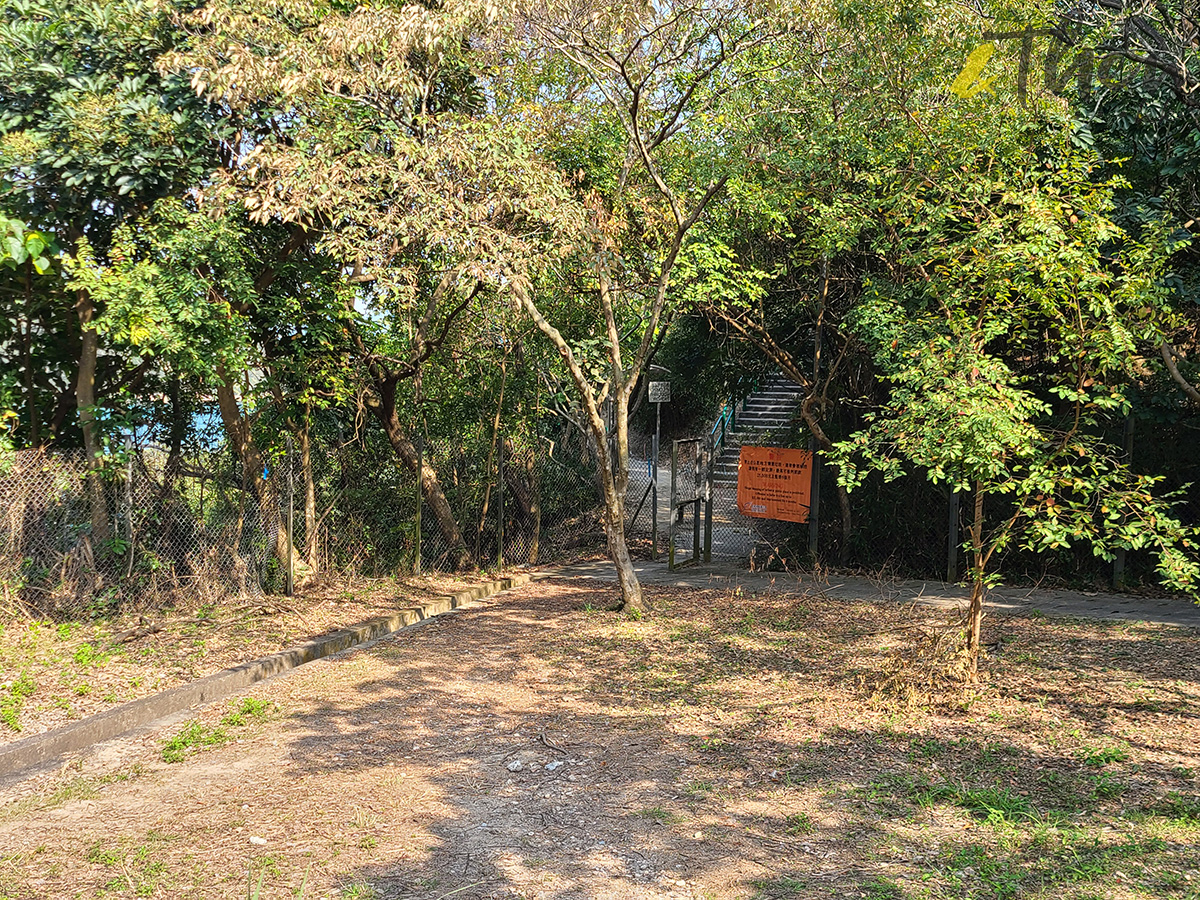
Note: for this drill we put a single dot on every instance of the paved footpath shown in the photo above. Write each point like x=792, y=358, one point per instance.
x=1016, y=601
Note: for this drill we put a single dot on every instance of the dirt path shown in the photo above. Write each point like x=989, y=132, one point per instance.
x=451, y=758
x=538, y=747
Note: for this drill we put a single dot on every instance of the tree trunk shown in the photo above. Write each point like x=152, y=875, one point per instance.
x=27, y=358
x=487, y=494
x=974, y=622
x=520, y=475
x=431, y=488
x=616, y=485
x=632, y=599
x=811, y=419
x=253, y=466
x=311, y=543
x=85, y=402
x=178, y=431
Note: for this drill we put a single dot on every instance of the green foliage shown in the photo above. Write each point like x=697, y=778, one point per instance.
x=800, y=823
x=88, y=655
x=13, y=698
x=193, y=736
x=246, y=710
x=1099, y=757
x=19, y=245
x=171, y=287
x=1183, y=809
x=1009, y=345
x=91, y=135
x=87, y=126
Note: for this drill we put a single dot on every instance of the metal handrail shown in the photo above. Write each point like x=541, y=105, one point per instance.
x=727, y=419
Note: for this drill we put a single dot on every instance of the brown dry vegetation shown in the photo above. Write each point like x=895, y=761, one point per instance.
x=66, y=670
x=729, y=746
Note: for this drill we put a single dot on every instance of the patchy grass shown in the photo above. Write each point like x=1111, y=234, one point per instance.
x=1069, y=772
x=82, y=667
x=13, y=697
x=195, y=736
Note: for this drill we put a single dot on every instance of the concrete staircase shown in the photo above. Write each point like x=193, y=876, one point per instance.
x=766, y=415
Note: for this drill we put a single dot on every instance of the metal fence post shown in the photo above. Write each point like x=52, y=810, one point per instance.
x=500, y=504
x=129, y=504
x=416, y=567
x=290, y=586
x=814, y=501
x=696, y=503
x=710, y=459
x=952, y=540
x=671, y=511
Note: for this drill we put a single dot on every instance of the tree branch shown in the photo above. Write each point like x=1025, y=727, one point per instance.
x=1168, y=354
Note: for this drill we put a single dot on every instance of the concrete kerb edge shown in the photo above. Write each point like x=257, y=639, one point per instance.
x=40, y=749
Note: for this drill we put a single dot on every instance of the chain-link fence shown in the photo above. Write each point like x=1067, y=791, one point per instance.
x=148, y=528
x=142, y=526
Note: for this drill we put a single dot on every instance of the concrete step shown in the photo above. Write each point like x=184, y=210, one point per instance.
x=781, y=399
x=780, y=391
x=779, y=406
x=758, y=422
x=774, y=406
x=749, y=435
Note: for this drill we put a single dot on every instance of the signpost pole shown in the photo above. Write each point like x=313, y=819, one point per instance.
x=654, y=481
x=659, y=393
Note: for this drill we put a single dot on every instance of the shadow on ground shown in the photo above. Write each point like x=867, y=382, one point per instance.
x=730, y=749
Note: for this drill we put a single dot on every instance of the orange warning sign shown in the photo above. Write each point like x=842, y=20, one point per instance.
x=774, y=483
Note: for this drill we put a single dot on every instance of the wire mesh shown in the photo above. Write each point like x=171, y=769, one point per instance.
x=164, y=528
x=147, y=527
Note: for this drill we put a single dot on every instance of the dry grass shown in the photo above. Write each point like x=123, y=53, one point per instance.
x=728, y=746
x=78, y=668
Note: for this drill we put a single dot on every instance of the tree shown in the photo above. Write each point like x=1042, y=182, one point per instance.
x=179, y=287
x=90, y=136
x=1007, y=325
x=383, y=162
x=628, y=96
x=25, y=252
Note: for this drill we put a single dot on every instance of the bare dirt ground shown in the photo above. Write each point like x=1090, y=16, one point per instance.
x=728, y=746
x=65, y=671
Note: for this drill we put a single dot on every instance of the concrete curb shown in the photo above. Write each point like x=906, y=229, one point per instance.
x=50, y=746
